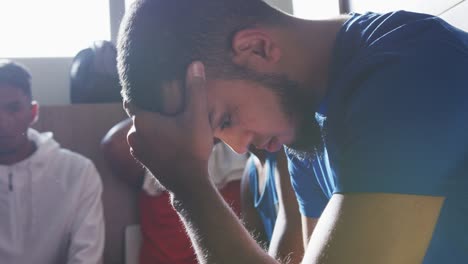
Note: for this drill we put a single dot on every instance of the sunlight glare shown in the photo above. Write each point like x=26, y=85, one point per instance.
x=51, y=28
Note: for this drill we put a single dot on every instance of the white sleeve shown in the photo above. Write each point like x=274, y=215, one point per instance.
x=87, y=235
x=225, y=165
x=151, y=185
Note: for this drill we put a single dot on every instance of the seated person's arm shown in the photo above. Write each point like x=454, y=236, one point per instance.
x=308, y=225
x=117, y=153
x=309, y=198
x=87, y=230
x=250, y=216
x=286, y=242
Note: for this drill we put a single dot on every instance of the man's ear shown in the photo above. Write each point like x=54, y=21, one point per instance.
x=255, y=49
x=34, y=112
x=127, y=106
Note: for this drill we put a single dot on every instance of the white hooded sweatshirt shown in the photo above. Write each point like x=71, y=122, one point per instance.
x=50, y=207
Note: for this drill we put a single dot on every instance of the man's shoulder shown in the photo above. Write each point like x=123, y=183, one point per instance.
x=72, y=165
x=369, y=39
x=75, y=169
x=367, y=30
x=63, y=157
x=73, y=156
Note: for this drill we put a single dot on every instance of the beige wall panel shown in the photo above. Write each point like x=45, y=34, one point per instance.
x=458, y=16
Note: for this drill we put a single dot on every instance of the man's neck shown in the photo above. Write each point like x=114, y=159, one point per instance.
x=314, y=44
x=22, y=153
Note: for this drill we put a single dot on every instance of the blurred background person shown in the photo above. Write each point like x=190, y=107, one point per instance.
x=50, y=201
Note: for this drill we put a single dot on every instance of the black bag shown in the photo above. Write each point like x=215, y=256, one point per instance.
x=93, y=75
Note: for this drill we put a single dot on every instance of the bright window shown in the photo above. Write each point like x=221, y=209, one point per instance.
x=51, y=28
x=316, y=9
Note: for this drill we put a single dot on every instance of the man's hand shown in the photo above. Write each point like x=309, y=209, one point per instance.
x=173, y=147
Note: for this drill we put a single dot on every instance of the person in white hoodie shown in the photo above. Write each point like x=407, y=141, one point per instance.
x=50, y=198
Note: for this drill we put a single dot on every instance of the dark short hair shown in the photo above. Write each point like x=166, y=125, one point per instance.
x=160, y=38
x=15, y=75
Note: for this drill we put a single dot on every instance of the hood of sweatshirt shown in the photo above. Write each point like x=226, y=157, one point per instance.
x=45, y=147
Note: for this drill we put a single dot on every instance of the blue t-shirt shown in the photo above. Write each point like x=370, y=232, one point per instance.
x=266, y=202
x=395, y=120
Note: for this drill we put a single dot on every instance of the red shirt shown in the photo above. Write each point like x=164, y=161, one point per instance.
x=164, y=237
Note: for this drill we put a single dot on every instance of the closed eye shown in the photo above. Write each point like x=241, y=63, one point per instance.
x=226, y=122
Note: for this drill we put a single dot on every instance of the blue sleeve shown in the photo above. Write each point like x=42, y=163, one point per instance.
x=270, y=163
x=253, y=177
x=405, y=128
x=310, y=197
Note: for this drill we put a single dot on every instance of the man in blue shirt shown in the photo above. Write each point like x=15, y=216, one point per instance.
x=392, y=122
x=372, y=107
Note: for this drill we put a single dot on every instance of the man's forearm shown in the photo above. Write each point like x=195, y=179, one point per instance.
x=215, y=231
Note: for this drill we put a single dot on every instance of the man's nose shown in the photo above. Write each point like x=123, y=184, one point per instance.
x=238, y=140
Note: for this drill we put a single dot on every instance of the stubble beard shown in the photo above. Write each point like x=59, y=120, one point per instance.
x=297, y=106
